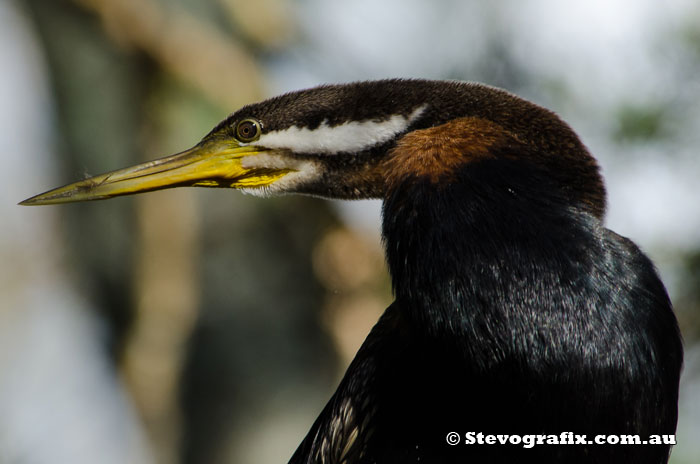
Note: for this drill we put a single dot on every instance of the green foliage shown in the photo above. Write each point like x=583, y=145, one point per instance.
x=641, y=122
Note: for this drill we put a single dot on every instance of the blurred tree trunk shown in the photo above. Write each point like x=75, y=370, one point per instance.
x=242, y=321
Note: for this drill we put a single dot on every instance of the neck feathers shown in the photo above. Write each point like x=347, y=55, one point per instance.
x=491, y=235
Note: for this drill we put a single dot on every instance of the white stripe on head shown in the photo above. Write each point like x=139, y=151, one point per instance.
x=350, y=137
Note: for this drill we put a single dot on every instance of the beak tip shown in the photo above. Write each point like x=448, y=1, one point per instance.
x=28, y=202
x=48, y=198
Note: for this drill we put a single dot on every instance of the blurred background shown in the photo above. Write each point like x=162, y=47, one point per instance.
x=203, y=326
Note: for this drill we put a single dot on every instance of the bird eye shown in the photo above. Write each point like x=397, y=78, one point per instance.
x=248, y=130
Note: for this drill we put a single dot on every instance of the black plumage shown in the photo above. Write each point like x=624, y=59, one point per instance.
x=516, y=311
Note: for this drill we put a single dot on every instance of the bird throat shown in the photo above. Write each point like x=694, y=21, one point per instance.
x=451, y=244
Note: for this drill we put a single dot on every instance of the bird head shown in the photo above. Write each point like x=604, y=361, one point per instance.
x=359, y=140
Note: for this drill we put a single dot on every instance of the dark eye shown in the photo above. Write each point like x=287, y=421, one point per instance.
x=248, y=130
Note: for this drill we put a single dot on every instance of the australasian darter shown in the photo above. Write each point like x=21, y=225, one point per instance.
x=516, y=310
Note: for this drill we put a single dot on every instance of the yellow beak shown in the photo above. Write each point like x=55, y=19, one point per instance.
x=208, y=164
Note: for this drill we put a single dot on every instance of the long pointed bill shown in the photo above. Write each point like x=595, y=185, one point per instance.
x=208, y=164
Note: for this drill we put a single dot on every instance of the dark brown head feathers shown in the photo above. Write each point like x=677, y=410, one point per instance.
x=450, y=124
